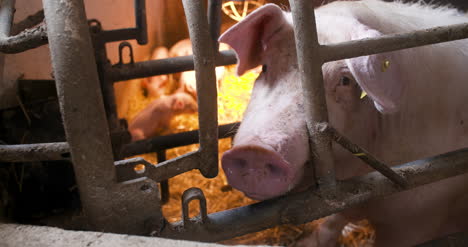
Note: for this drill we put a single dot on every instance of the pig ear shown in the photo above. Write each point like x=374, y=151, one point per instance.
x=250, y=37
x=378, y=75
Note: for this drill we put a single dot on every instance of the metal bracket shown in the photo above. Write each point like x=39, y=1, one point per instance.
x=188, y=196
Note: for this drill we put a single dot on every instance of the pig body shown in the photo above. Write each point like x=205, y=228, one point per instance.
x=416, y=108
x=158, y=114
x=187, y=78
x=156, y=85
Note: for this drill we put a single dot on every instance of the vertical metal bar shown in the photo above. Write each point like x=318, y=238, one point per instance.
x=107, y=86
x=164, y=185
x=141, y=24
x=80, y=101
x=310, y=67
x=7, y=9
x=204, y=62
x=214, y=21
x=108, y=206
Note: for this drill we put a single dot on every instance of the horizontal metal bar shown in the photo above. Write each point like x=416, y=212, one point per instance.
x=118, y=35
x=393, y=42
x=172, y=141
x=459, y=239
x=126, y=170
x=162, y=66
x=26, y=40
x=362, y=154
x=307, y=206
x=34, y=152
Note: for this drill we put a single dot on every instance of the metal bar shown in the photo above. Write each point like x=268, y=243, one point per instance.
x=173, y=141
x=140, y=21
x=459, y=239
x=26, y=40
x=164, y=185
x=204, y=62
x=163, y=66
x=34, y=152
x=7, y=10
x=107, y=88
x=362, y=154
x=307, y=206
x=392, y=42
x=118, y=35
x=214, y=21
x=140, y=33
x=310, y=68
x=84, y=120
x=126, y=169
x=28, y=22
x=107, y=205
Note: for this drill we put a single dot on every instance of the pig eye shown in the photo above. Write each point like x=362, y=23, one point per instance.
x=264, y=68
x=345, y=81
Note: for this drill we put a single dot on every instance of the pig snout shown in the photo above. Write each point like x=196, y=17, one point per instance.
x=259, y=172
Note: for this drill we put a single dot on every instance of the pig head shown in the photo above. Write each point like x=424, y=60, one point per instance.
x=271, y=151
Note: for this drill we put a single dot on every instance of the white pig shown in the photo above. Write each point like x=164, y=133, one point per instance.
x=158, y=114
x=416, y=108
x=156, y=85
x=187, y=79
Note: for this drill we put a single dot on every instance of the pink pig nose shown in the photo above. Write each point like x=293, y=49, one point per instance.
x=258, y=172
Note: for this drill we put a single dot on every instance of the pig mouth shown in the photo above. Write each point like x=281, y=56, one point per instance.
x=259, y=172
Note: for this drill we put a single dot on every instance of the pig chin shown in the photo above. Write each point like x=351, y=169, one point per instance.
x=259, y=171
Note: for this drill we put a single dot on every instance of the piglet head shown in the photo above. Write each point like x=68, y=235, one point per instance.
x=182, y=102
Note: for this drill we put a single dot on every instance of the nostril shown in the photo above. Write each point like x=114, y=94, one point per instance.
x=239, y=163
x=236, y=166
x=274, y=170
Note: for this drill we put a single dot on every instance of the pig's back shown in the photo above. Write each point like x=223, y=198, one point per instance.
x=395, y=17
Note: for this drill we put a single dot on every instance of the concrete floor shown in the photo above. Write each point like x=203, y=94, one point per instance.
x=13, y=235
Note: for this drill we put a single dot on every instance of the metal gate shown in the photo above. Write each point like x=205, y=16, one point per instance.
x=112, y=190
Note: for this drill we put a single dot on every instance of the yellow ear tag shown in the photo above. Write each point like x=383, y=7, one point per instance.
x=363, y=94
x=385, y=65
x=359, y=154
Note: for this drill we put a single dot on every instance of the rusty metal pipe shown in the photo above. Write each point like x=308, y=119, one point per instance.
x=84, y=120
x=26, y=40
x=310, y=68
x=204, y=63
x=158, y=173
x=107, y=205
x=393, y=42
x=28, y=22
x=121, y=72
x=214, y=21
x=7, y=10
x=172, y=141
x=362, y=154
x=307, y=206
x=34, y=152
